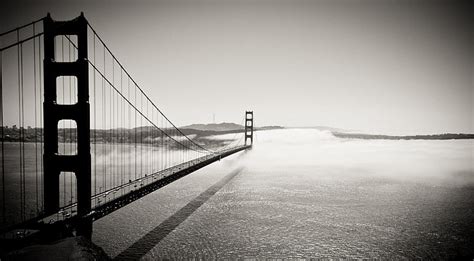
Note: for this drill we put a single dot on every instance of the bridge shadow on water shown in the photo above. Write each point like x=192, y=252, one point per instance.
x=142, y=246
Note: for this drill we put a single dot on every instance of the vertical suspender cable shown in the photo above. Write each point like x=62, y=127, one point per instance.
x=129, y=133
x=22, y=129
x=112, y=124
x=19, y=123
x=41, y=120
x=63, y=125
x=147, y=147
x=35, y=126
x=2, y=133
x=104, y=131
x=135, y=138
x=121, y=135
x=95, y=124
x=161, y=147
x=141, y=137
x=70, y=122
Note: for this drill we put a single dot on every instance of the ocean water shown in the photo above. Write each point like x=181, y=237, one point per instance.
x=112, y=165
x=303, y=193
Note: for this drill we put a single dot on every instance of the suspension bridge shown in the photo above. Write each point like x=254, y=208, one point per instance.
x=79, y=137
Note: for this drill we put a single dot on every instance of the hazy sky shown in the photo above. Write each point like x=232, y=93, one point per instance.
x=376, y=66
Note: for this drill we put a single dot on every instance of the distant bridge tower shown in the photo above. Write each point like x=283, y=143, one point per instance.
x=249, y=127
x=54, y=163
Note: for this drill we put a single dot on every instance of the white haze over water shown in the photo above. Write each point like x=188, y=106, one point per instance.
x=436, y=162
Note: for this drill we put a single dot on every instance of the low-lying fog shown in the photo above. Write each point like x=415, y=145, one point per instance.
x=437, y=162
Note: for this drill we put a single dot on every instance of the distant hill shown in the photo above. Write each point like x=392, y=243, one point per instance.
x=445, y=136
x=269, y=128
x=322, y=128
x=202, y=130
x=225, y=126
x=142, y=134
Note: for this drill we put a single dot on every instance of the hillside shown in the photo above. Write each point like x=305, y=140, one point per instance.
x=142, y=134
x=321, y=128
x=225, y=126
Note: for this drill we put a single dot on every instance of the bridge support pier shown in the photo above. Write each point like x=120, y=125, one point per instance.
x=249, y=127
x=55, y=163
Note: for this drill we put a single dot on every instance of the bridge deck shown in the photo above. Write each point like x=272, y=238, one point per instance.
x=176, y=173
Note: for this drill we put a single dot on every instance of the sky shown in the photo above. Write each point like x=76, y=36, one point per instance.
x=388, y=66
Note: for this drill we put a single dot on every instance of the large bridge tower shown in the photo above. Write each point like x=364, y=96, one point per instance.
x=54, y=162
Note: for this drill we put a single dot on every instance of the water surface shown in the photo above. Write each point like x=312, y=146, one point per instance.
x=305, y=193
